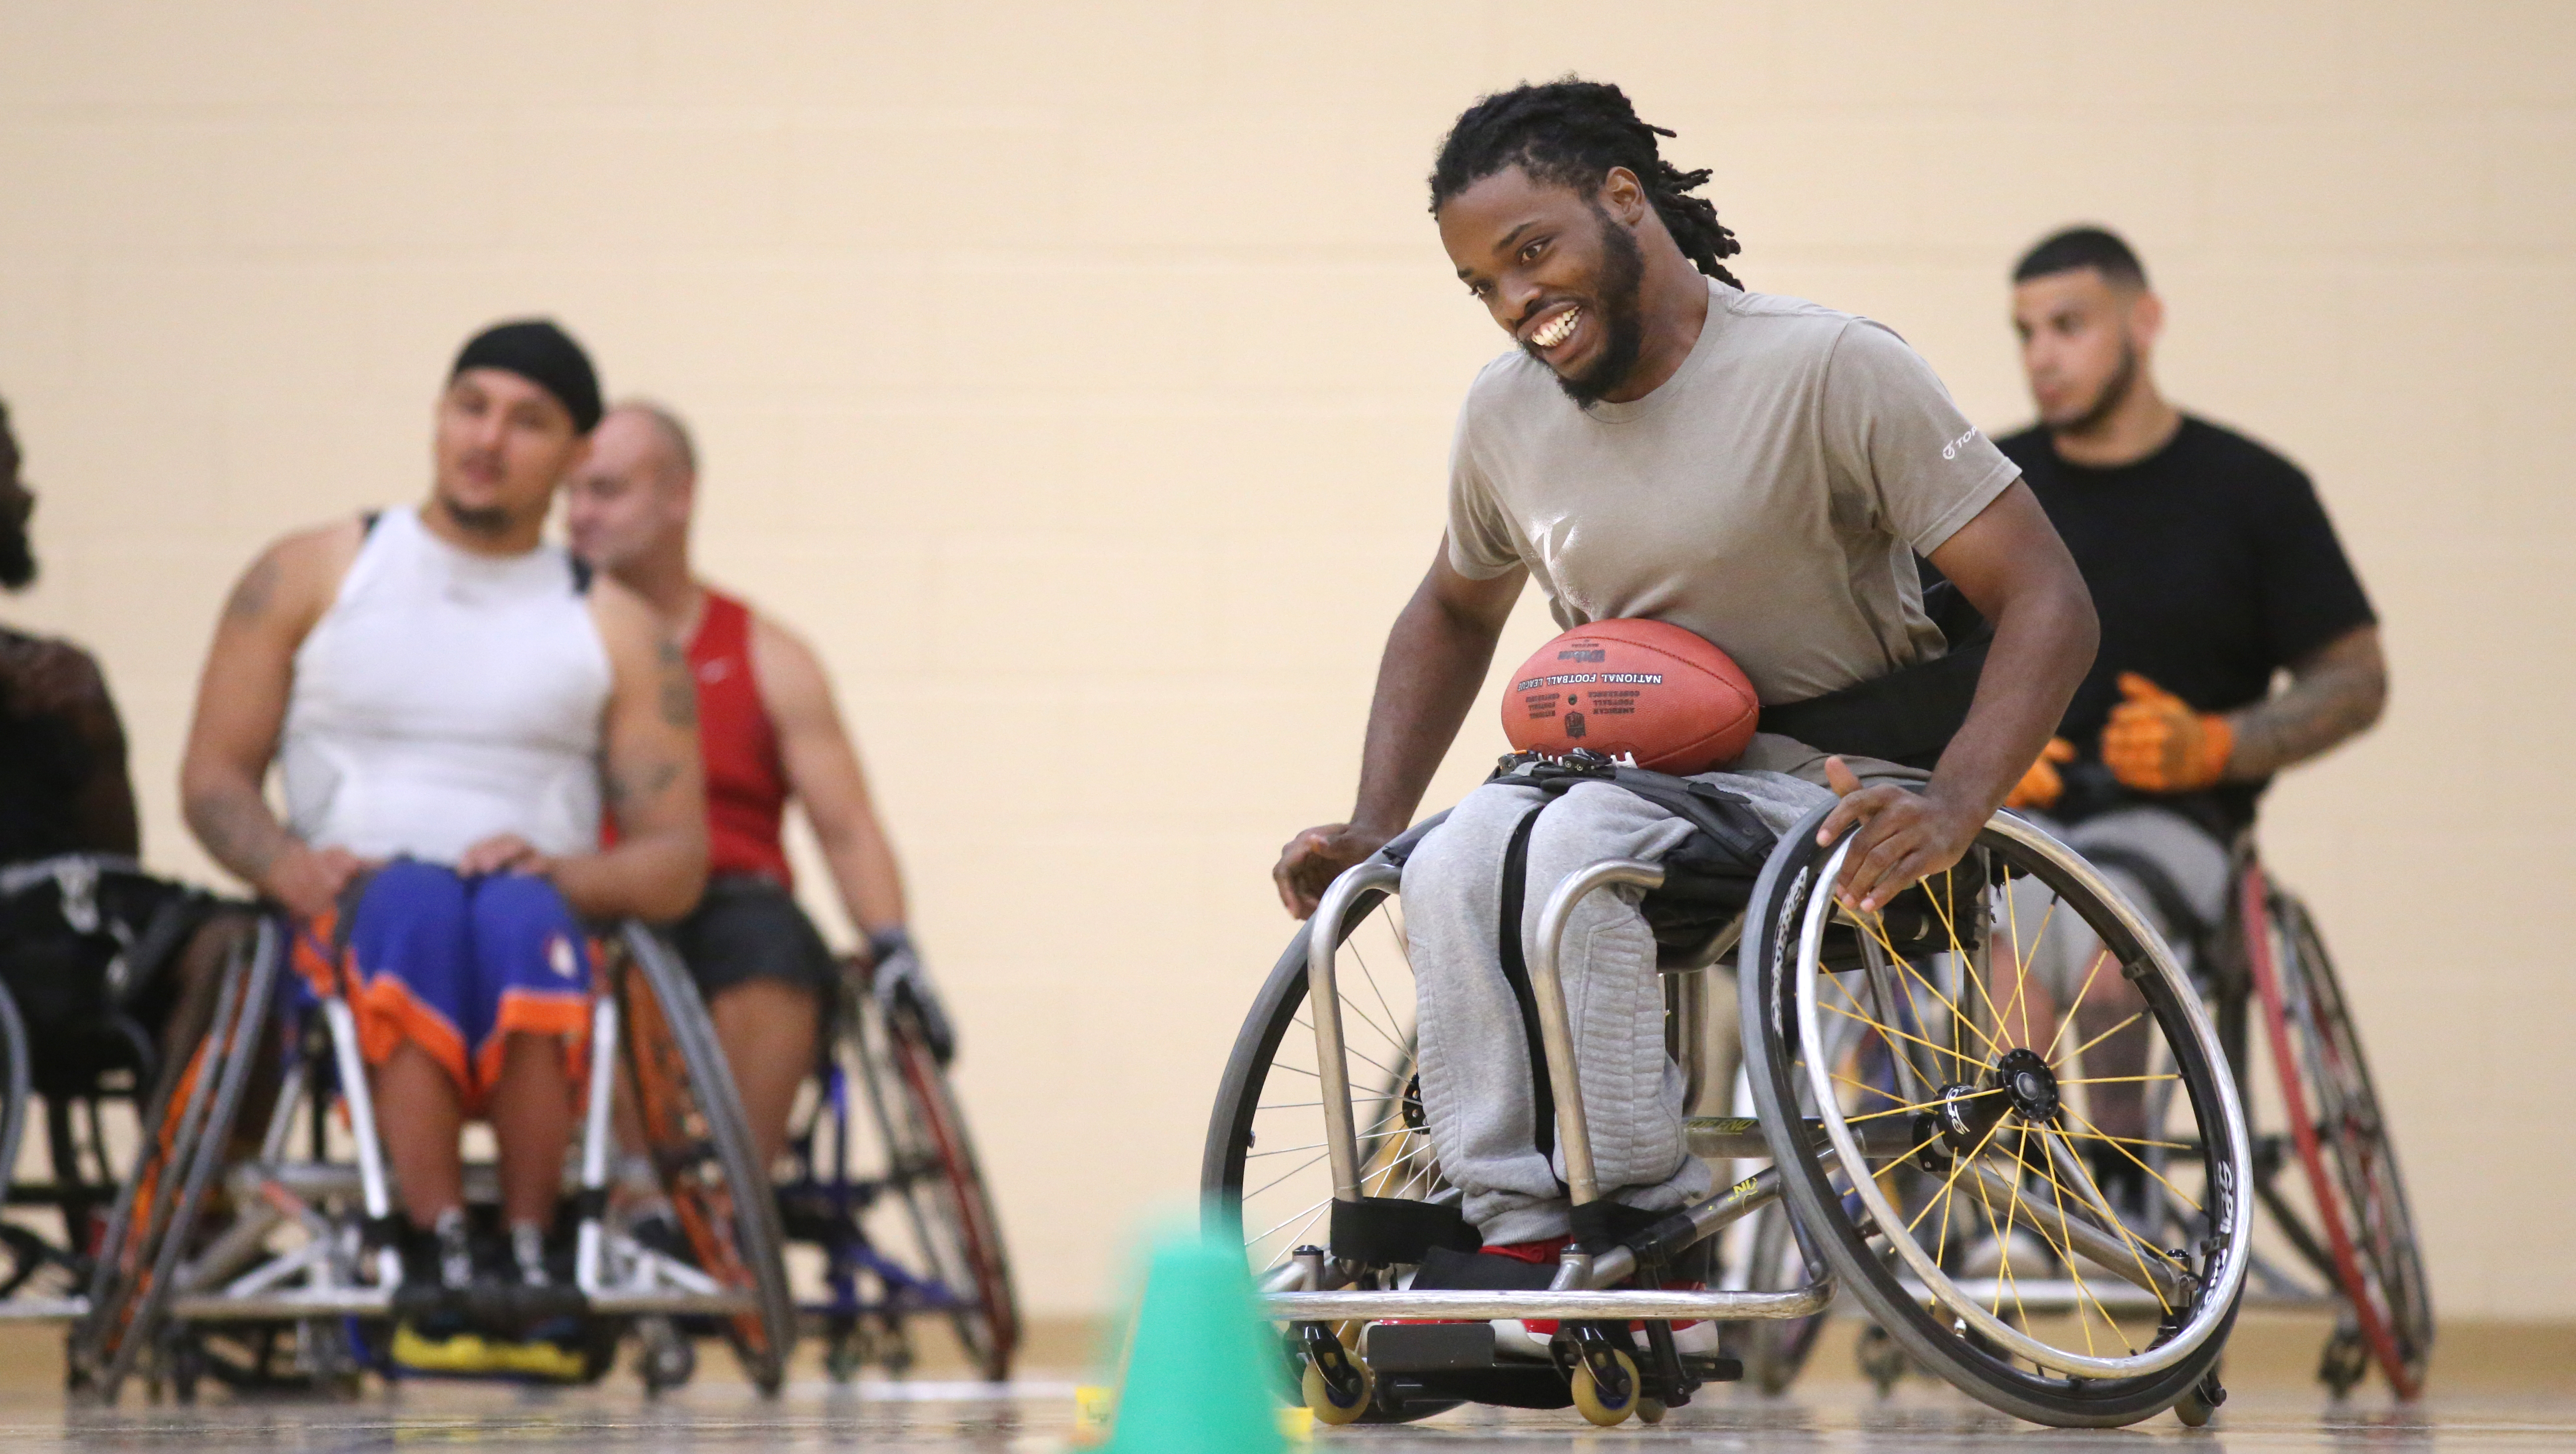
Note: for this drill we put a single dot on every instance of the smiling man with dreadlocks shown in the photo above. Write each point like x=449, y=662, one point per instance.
x=1760, y=470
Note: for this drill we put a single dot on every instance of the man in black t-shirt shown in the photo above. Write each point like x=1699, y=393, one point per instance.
x=2213, y=569
x=2210, y=561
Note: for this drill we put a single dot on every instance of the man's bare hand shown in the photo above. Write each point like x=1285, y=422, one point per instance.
x=503, y=853
x=309, y=881
x=1903, y=836
x=1314, y=858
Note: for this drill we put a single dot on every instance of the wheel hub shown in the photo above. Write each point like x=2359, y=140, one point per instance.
x=2027, y=1084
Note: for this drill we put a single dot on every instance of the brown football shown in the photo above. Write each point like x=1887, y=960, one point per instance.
x=1647, y=690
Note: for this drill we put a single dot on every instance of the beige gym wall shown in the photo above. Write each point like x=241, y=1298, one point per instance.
x=1080, y=377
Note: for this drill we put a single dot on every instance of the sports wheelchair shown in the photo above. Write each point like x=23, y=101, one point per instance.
x=255, y=1240
x=892, y=1195
x=89, y=945
x=1899, y=1118
x=2336, y=1234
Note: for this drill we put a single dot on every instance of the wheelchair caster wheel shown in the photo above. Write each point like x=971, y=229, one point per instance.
x=667, y=1359
x=187, y=1367
x=845, y=1356
x=326, y=1360
x=1335, y=1383
x=1651, y=1411
x=1605, y=1397
x=1881, y=1361
x=2199, y=1406
x=2344, y=1363
x=1338, y=1399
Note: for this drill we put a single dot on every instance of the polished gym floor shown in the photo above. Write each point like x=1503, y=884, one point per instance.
x=2511, y=1392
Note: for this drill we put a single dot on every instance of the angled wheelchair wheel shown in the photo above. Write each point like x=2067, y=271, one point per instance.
x=188, y=1128
x=2356, y=1221
x=2066, y=1237
x=931, y=1165
x=1263, y=1173
x=700, y=1146
x=14, y=1081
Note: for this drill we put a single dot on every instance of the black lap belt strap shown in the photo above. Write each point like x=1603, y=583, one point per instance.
x=1907, y=716
x=1516, y=974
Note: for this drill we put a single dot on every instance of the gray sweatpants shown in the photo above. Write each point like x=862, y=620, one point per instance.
x=1475, y=1062
x=2194, y=862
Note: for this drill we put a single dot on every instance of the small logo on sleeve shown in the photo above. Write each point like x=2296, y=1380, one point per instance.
x=1951, y=450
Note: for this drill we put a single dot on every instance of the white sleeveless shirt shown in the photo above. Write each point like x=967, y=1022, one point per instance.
x=444, y=698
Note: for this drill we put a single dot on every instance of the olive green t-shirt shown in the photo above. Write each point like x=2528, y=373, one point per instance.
x=1769, y=496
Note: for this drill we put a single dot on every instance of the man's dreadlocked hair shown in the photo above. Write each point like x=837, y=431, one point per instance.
x=1570, y=133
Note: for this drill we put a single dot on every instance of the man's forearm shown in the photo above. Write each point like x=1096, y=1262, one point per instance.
x=656, y=877
x=2335, y=696
x=866, y=875
x=1434, y=665
x=238, y=830
x=2044, y=641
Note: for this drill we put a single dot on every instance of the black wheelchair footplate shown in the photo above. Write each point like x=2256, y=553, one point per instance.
x=1446, y=1361
x=509, y=1309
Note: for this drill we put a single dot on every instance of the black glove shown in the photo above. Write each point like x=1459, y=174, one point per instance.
x=903, y=991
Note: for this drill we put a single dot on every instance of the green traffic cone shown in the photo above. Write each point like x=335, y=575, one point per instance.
x=1202, y=1369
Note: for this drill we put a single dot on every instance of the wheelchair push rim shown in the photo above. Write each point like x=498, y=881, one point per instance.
x=933, y=1168
x=693, y=1125
x=2341, y=1136
x=1907, y=1269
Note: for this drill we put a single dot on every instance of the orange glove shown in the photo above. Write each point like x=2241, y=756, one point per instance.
x=2156, y=742
x=2040, y=787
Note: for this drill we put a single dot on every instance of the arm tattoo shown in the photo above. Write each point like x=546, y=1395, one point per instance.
x=250, y=599
x=631, y=788
x=679, y=690
x=2332, y=697
x=240, y=831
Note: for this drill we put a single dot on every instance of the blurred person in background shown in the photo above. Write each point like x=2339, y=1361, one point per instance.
x=451, y=703
x=63, y=787
x=769, y=733
x=2214, y=571
x=64, y=796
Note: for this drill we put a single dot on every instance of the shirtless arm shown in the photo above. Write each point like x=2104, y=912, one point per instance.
x=649, y=776
x=1434, y=664
x=823, y=775
x=241, y=705
x=2336, y=692
x=2012, y=566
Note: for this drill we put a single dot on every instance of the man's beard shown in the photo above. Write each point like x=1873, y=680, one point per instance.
x=17, y=549
x=2115, y=390
x=477, y=519
x=1623, y=321
x=17, y=558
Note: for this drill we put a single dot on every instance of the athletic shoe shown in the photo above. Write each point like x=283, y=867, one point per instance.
x=1530, y=1337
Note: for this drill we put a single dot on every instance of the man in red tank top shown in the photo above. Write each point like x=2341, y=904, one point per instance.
x=768, y=732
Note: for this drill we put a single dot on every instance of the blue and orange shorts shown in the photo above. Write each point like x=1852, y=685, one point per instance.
x=454, y=965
